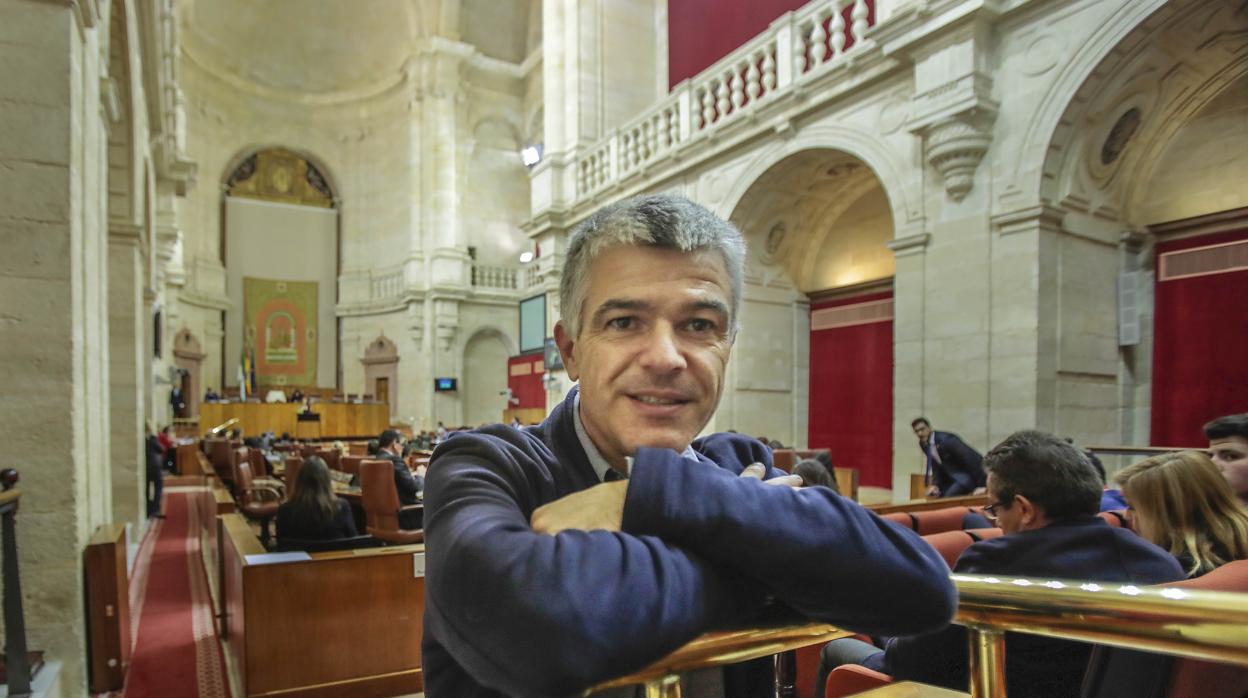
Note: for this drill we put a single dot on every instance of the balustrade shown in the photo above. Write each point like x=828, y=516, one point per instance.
x=484, y=276
x=386, y=285
x=812, y=39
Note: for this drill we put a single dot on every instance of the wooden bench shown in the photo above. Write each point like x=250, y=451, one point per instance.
x=334, y=623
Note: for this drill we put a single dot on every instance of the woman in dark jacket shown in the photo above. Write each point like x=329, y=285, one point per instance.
x=312, y=511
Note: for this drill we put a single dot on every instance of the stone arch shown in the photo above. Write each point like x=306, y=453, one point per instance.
x=381, y=372
x=1108, y=76
x=904, y=191
x=327, y=173
x=497, y=132
x=483, y=376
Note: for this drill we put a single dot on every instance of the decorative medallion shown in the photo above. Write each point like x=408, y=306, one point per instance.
x=277, y=174
x=1120, y=135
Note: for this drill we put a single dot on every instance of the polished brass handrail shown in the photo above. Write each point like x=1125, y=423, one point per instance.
x=1186, y=622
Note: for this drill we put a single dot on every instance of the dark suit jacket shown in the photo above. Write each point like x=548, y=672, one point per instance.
x=406, y=484
x=1081, y=547
x=959, y=464
x=291, y=523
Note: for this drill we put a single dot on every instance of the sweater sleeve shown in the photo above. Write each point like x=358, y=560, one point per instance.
x=532, y=614
x=823, y=555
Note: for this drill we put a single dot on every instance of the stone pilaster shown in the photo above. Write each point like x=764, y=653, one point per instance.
x=909, y=317
x=127, y=380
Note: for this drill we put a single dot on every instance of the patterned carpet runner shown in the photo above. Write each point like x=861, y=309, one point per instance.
x=176, y=649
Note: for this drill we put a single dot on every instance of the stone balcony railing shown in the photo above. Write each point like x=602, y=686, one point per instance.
x=804, y=44
x=385, y=285
x=493, y=277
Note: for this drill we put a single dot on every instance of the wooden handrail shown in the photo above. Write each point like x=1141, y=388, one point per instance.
x=1140, y=450
x=970, y=500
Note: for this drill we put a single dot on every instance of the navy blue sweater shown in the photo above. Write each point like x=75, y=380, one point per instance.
x=510, y=611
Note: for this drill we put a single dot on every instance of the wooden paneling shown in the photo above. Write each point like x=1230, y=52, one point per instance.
x=188, y=459
x=108, y=607
x=341, y=623
x=338, y=419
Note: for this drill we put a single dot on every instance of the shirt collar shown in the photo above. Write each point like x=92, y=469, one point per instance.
x=596, y=460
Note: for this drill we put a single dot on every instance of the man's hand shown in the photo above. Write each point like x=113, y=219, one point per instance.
x=600, y=507
x=758, y=470
x=933, y=491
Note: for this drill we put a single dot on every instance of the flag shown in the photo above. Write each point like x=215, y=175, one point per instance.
x=251, y=369
x=242, y=376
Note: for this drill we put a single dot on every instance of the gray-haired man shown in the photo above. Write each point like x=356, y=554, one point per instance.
x=607, y=536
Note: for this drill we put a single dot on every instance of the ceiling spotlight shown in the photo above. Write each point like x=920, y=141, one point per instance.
x=526, y=257
x=531, y=155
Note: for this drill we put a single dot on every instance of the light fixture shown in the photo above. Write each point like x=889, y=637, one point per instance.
x=531, y=155
x=526, y=257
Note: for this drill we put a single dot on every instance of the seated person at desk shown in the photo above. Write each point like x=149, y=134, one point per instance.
x=409, y=487
x=1045, y=496
x=296, y=395
x=609, y=531
x=313, y=512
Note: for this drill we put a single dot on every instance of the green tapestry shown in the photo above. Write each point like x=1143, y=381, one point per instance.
x=280, y=327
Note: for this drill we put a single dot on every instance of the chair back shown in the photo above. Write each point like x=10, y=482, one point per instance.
x=220, y=455
x=1117, y=519
x=291, y=475
x=238, y=456
x=259, y=464
x=939, y=520
x=1193, y=678
x=330, y=456
x=951, y=544
x=351, y=464
x=380, y=498
x=357, y=448
x=306, y=451
x=243, y=480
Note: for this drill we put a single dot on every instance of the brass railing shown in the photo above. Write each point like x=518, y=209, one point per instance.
x=1185, y=622
x=222, y=426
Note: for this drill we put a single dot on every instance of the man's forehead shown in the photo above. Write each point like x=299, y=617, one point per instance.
x=1237, y=442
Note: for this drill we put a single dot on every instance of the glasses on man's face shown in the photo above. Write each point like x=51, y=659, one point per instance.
x=990, y=510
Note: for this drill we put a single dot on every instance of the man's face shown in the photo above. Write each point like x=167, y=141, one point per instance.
x=1231, y=457
x=923, y=431
x=653, y=346
x=1007, y=514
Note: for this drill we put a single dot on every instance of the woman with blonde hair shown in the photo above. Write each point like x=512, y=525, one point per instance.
x=1181, y=502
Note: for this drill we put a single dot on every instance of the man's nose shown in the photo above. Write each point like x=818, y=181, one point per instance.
x=662, y=352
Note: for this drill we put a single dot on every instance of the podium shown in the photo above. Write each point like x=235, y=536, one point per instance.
x=308, y=425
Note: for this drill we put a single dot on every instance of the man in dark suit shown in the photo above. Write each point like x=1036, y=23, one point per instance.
x=1045, y=496
x=952, y=468
x=409, y=487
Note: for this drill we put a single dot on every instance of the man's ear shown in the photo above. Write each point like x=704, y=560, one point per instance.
x=1030, y=515
x=565, y=342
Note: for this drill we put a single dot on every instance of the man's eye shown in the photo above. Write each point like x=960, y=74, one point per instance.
x=620, y=323
x=701, y=325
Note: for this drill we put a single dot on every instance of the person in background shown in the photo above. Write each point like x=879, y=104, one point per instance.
x=1182, y=503
x=814, y=473
x=372, y=448
x=296, y=395
x=169, y=448
x=515, y=422
x=1228, y=447
x=313, y=511
x=441, y=433
x=1111, y=499
x=952, y=467
x=408, y=486
x=155, y=473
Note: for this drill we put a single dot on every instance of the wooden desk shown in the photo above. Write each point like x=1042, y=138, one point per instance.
x=970, y=500
x=334, y=624
x=338, y=419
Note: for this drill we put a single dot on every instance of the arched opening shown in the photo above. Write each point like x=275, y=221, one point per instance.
x=818, y=291
x=381, y=373
x=1144, y=330
x=280, y=243
x=484, y=386
x=188, y=357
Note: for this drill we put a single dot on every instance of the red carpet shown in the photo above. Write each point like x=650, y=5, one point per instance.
x=176, y=650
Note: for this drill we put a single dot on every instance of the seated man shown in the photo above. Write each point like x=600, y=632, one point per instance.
x=1045, y=496
x=1228, y=447
x=409, y=487
x=610, y=533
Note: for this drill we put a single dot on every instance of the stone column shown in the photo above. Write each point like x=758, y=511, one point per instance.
x=127, y=380
x=53, y=309
x=909, y=318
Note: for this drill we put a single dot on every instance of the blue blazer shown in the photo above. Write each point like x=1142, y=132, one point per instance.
x=958, y=464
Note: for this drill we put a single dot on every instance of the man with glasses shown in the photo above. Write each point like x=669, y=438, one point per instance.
x=1045, y=495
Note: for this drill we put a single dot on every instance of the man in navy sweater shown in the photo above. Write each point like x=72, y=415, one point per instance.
x=588, y=546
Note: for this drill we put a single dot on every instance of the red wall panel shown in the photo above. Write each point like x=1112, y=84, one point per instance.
x=524, y=378
x=851, y=395
x=1201, y=332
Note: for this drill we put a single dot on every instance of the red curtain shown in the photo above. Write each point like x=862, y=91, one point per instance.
x=1200, y=338
x=524, y=377
x=851, y=395
x=700, y=32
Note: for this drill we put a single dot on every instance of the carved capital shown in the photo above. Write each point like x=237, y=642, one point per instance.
x=954, y=147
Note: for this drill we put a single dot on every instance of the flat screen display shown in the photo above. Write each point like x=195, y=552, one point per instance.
x=442, y=385
x=532, y=324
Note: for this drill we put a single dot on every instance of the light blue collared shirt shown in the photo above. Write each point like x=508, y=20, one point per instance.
x=600, y=464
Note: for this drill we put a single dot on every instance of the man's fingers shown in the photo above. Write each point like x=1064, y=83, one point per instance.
x=754, y=470
x=790, y=480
